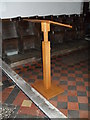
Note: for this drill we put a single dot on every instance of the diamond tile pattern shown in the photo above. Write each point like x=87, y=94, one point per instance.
x=72, y=78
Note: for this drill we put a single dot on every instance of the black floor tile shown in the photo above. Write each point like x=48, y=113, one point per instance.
x=12, y=95
x=64, y=74
x=78, y=75
x=18, y=68
x=73, y=114
x=24, y=117
x=79, y=83
x=34, y=73
x=63, y=82
x=56, y=71
x=71, y=78
x=31, y=80
x=87, y=88
x=54, y=98
x=71, y=71
x=83, y=106
x=64, y=93
x=55, y=78
x=64, y=68
x=71, y=87
x=72, y=99
x=0, y=89
x=6, y=84
x=77, y=68
x=86, y=79
x=62, y=105
x=88, y=99
x=80, y=93
x=40, y=77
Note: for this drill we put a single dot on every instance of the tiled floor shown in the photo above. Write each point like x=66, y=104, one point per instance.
x=12, y=95
x=73, y=78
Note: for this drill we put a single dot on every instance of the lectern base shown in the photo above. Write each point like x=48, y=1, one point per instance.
x=50, y=93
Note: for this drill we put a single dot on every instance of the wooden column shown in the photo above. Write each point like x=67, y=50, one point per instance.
x=46, y=56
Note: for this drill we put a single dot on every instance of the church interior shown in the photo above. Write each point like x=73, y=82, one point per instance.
x=44, y=60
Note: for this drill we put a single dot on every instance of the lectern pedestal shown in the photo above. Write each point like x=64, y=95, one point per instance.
x=47, y=93
x=46, y=87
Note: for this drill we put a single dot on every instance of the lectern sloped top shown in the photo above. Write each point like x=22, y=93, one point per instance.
x=48, y=21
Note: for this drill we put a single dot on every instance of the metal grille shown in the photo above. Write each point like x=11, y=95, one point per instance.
x=6, y=111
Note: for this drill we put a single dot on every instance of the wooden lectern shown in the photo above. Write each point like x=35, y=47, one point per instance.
x=46, y=87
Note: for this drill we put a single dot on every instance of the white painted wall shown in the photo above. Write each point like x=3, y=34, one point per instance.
x=14, y=9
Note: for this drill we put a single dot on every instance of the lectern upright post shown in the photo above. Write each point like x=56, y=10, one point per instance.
x=47, y=87
x=46, y=56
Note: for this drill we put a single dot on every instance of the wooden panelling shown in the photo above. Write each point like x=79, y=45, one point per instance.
x=24, y=35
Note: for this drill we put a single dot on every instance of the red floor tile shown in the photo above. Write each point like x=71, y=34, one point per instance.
x=83, y=114
x=65, y=112
x=71, y=68
x=19, y=99
x=82, y=99
x=1, y=96
x=64, y=71
x=79, y=79
x=33, y=107
x=71, y=74
x=5, y=94
x=86, y=84
x=73, y=106
x=72, y=93
x=63, y=78
x=88, y=93
x=33, y=110
x=85, y=75
x=56, y=74
x=62, y=98
x=33, y=77
x=84, y=69
x=4, y=78
x=53, y=103
x=28, y=111
x=73, y=83
x=39, y=113
x=81, y=88
x=65, y=87
x=78, y=72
